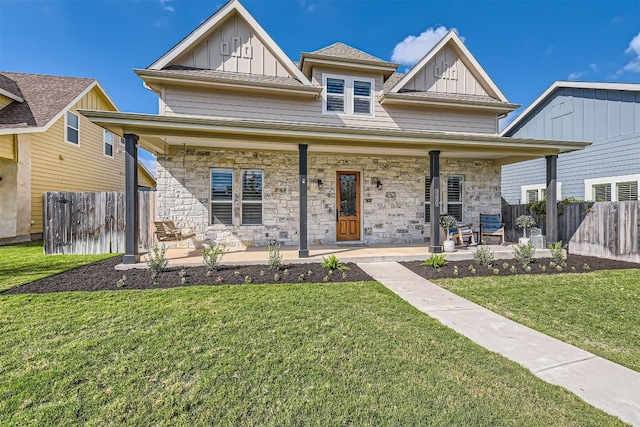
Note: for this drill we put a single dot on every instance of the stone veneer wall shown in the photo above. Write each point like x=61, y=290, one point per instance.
x=391, y=214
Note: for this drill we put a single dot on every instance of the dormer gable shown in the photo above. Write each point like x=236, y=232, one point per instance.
x=449, y=75
x=342, y=56
x=232, y=41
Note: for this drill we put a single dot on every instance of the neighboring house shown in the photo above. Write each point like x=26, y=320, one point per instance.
x=606, y=114
x=46, y=145
x=338, y=147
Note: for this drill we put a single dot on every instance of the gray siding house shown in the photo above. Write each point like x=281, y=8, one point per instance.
x=336, y=147
x=606, y=114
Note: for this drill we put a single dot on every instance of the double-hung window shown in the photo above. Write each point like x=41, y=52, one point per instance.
x=72, y=128
x=454, y=196
x=251, y=197
x=627, y=191
x=612, y=189
x=348, y=95
x=221, y=196
x=108, y=143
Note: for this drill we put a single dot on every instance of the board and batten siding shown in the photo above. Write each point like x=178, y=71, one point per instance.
x=610, y=119
x=243, y=52
x=60, y=166
x=7, y=147
x=180, y=101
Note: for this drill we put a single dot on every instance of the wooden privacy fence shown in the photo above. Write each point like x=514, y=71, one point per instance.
x=93, y=223
x=602, y=229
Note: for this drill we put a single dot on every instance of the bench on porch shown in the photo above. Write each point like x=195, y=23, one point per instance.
x=166, y=231
x=491, y=225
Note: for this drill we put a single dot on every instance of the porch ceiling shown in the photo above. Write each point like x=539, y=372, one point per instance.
x=157, y=133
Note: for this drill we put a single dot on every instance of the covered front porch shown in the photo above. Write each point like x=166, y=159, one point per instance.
x=169, y=134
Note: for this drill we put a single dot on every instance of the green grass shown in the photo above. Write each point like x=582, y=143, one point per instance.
x=26, y=262
x=312, y=354
x=597, y=311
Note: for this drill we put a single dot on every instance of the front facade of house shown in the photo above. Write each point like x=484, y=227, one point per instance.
x=339, y=147
x=46, y=145
x=606, y=114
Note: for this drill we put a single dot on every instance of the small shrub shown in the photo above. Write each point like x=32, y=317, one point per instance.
x=120, y=283
x=586, y=267
x=247, y=279
x=344, y=275
x=524, y=253
x=435, y=261
x=573, y=268
x=543, y=268
x=309, y=273
x=276, y=277
x=505, y=265
x=527, y=269
x=209, y=273
x=525, y=222
x=448, y=221
x=455, y=270
x=183, y=280
x=261, y=273
x=182, y=273
x=513, y=269
x=236, y=273
x=483, y=255
x=212, y=256
x=558, y=252
x=156, y=260
x=301, y=277
x=333, y=263
x=275, y=257
x=219, y=279
x=558, y=267
x=286, y=272
x=325, y=279
x=552, y=264
x=496, y=271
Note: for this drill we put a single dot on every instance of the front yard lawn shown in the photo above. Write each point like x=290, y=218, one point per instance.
x=598, y=311
x=299, y=354
x=24, y=262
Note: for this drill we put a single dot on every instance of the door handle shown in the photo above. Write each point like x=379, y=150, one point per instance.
x=337, y=215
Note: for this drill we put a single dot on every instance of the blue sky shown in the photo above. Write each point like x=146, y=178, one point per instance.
x=523, y=45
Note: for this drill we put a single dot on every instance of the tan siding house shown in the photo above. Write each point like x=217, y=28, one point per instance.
x=37, y=153
x=337, y=147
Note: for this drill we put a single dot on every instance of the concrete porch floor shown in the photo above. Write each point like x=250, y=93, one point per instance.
x=350, y=252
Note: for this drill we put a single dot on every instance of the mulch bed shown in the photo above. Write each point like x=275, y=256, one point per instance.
x=509, y=267
x=102, y=276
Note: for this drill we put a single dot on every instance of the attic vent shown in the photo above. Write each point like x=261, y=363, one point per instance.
x=444, y=71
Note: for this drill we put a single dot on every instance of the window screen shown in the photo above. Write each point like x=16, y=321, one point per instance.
x=222, y=196
x=454, y=196
x=251, y=197
x=627, y=191
x=602, y=192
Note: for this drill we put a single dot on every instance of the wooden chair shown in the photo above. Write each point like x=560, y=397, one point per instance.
x=166, y=231
x=491, y=226
x=459, y=233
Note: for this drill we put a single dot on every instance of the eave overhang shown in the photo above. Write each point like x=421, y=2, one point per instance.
x=159, y=78
x=309, y=60
x=413, y=100
x=157, y=133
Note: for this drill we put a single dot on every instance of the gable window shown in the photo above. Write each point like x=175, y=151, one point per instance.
x=72, y=128
x=427, y=199
x=454, y=196
x=108, y=143
x=221, y=196
x=348, y=95
x=251, y=197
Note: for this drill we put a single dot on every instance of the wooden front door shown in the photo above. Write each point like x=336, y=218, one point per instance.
x=348, y=206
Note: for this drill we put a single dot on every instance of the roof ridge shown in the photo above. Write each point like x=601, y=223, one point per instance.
x=343, y=50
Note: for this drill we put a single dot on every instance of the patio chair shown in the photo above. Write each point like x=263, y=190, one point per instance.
x=459, y=233
x=491, y=225
x=166, y=231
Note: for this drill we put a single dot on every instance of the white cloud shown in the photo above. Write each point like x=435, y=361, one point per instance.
x=413, y=48
x=151, y=164
x=166, y=6
x=633, y=49
x=593, y=66
x=576, y=75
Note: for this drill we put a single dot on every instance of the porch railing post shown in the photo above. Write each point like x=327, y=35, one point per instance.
x=131, y=255
x=303, y=252
x=434, y=206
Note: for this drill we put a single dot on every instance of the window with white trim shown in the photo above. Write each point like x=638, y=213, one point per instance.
x=221, y=196
x=612, y=189
x=108, y=143
x=427, y=199
x=347, y=95
x=251, y=197
x=454, y=196
x=72, y=128
x=536, y=192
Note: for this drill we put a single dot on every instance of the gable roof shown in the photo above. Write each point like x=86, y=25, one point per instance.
x=10, y=89
x=634, y=87
x=345, y=55
x=465, y=55
x=201, y=32
x=44, y=100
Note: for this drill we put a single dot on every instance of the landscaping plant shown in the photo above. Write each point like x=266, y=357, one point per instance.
x=212, y=256
x=483, y=255
x=525, y=222
x=524, y=254
x=435, y=261
x=332, y=263
x=558, y=253
x=275, y=257
x=156, y=260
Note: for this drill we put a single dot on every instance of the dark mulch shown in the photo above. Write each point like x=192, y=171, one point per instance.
x=574, y=264
x=102, y=276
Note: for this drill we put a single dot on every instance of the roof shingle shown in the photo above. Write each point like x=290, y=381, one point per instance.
x=44, y=97
x=341, y=50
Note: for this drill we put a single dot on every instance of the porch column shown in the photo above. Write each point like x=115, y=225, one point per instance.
x=552, y=199
x=434, y=206
x=131, y=255
x=303, y=252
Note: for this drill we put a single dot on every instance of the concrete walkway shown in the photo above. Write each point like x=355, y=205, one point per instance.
x=601, y=383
